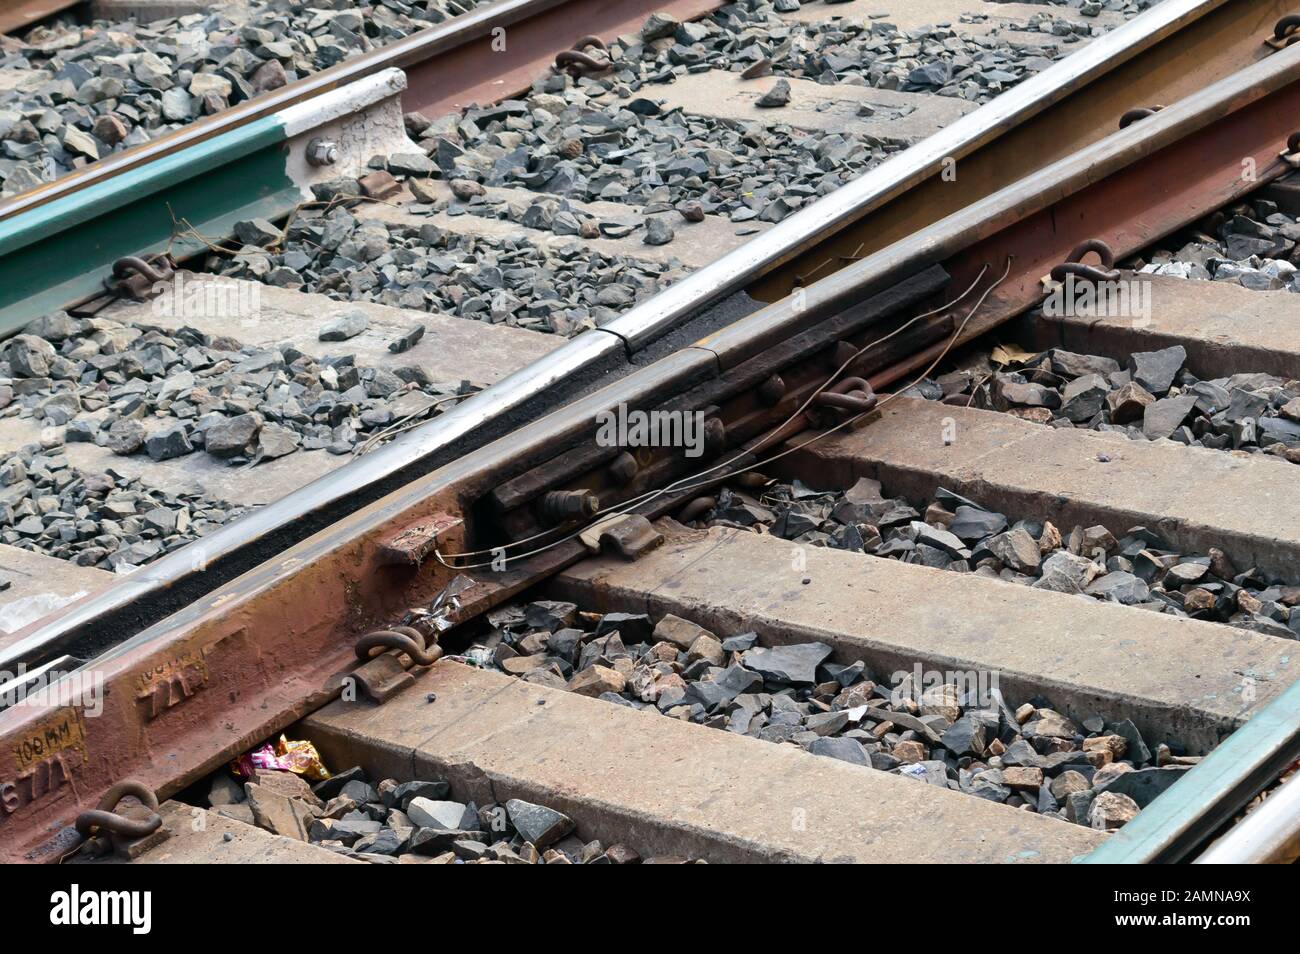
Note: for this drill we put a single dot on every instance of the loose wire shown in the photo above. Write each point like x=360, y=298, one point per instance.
x=682, y=483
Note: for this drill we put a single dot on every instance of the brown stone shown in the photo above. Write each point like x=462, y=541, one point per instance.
x=109, y=129
x=1111, y=810
x=938, y=516
x=1109, y=772
x=1050, y=723
x=270, y=75
x=1128, y=403
x=1067, y=783
x=708, y=648
x=1099, y=538
x=682, y=633
x=1035, y=415
x=909, y=752
x=594, y=680
x=1050, y=539
x=379, y=184
x=941, y=700
x=466, y=189
x=622, y=855
x=278, y=813
x=1247, y=603
x=1112, y=747
x=1020, y=779
x=518, y=665
x=661, y=652
x=240, y=813
x=1220, y=565
x=288, y=784
x=423, y=191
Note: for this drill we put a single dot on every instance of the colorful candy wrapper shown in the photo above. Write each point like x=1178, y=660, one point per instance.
x=299, y=757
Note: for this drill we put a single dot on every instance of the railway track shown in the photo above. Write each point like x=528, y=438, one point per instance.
x=861, y=398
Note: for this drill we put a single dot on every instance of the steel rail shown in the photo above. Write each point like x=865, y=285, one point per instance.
x=270, y=638
x=1269, y=835
x=631, y=331
x=810, y=226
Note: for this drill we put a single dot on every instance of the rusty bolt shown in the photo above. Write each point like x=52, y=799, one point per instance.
x=772, y=390
x=623, y=468
x=715, y=435
x=322, y=152
x=561, y=505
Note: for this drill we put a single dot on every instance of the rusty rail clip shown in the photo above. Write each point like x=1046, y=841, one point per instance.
x=850, y=397
x=1140, y=112
x=851, y=394
x=577, y=62
x=383, y=675
x=136, y=278
x=1285, y=32
x=1292, y=154
x=1073, y=265
x=131, y=277
x=106, y=830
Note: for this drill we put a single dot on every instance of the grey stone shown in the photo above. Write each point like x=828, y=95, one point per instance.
x=777, y=96
x=1161, y=418
x=232, y=436
x=30, y=357
x=125, y=437
x=795, y=663
x=658, y=231
x=1120, y=587
x=345, y=326
x=540, y=825
x=973, y=523
x=1016, y=549
x=844, y=749
x=1155, y=370
x=275, y=441
x=1083, y=398
x=430, y=813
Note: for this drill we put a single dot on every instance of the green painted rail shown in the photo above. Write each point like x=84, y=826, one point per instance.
x=63, y=250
